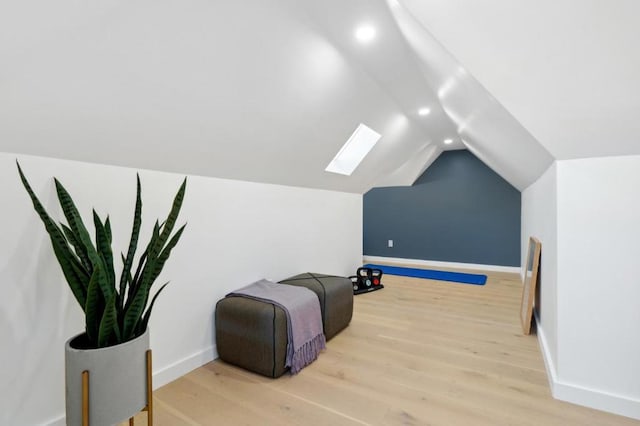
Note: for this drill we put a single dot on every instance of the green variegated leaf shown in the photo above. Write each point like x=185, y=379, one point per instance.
x=157, y=266
x=143, y=264
x=154, y=241
x=133, y=243
x=123, y=259
x=73, y=272
x=107, y=229
x=106, y=256
x=75, y=222
x=106, y=286
x=168, y=225
x=135, y=282
x=79, y=248
x=145, y=318
x=134, y=311
x=107, y=332
x=69, y=263
x=128, y=278
x=92, y=312
x=154, y=268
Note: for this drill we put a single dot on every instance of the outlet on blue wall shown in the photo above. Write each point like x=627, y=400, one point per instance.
x=459, y=210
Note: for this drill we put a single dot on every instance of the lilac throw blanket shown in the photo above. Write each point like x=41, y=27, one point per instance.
x=304, y=320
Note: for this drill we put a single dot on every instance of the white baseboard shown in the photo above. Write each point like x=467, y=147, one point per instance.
x=183, y=366
x=439, y=264
x=580, y=395
x=546, y=355
x=598, y=399
x=167, y=374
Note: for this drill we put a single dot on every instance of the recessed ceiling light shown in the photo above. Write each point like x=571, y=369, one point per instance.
x=365, y=33
x=448, y=141
x=353, y=151
x=424, y=111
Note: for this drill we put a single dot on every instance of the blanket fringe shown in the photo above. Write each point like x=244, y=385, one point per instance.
x=306, y=354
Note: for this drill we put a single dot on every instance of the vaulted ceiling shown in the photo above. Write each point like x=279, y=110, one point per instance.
x=269, y=91
x=568, y=70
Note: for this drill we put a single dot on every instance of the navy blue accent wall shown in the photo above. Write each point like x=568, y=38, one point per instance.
x=459, y=210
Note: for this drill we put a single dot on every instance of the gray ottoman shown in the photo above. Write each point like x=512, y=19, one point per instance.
x=252, y=335
x=335, y=295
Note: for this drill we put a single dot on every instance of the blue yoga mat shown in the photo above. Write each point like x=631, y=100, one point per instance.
x=457, y=277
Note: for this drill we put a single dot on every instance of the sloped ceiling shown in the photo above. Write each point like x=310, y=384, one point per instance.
x=252, y=90
x=568, y=70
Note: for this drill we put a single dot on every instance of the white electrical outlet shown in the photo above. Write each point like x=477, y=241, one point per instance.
x=390, y=243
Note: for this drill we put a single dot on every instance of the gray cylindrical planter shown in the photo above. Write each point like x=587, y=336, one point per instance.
x=117, y=381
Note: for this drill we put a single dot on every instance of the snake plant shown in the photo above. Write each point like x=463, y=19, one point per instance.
x=116, y=310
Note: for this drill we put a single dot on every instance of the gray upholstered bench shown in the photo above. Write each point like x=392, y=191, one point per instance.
x=253, y=334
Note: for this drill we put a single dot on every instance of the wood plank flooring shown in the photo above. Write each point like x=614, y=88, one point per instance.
x=419, y=352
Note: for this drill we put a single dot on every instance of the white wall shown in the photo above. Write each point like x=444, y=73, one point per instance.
x=598, y=283
x=539, y=213
x=586, y=214
x=237, y=232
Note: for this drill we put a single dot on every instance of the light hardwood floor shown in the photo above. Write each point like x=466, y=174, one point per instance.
x=418, y=352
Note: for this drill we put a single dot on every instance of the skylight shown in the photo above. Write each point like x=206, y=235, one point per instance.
x=353, y=152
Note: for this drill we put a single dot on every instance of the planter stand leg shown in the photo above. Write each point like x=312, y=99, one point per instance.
x=149, y=407
x=149, y=390
x=85, y=398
